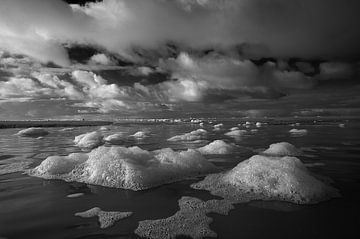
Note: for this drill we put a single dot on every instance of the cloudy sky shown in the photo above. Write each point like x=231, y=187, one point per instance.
x=169, y=58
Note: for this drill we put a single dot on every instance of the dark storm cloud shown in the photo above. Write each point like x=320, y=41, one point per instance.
x=279, y=28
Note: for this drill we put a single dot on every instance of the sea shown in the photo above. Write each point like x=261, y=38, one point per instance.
x=32, y=207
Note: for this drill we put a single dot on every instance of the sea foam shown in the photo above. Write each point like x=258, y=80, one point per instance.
x=128, y=168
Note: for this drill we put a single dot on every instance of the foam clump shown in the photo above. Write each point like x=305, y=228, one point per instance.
x=217, y=147
x=236, y=133
x=128, y=168
x=114, y=138
x=342, y=125
x=193, y=135
x=298, y=132
x=234, y=128
x=282, y=149
x=106, y=219
x=89, y=140
x=66, y=129
x=140, y=135
x=268, y=178
x=104, y=128
x=56, y=165
x=75, y=195
x=258, y=124
x=191, y=220
x=32, y=132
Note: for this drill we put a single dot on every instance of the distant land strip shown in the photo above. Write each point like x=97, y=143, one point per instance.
x=51, y=123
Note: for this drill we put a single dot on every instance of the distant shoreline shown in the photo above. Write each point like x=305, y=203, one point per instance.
x=51, y=123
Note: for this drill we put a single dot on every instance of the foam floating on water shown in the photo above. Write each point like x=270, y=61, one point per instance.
x=193, y=135
x=298, y=132
x=234, y=128
x=104, y=128
x=190, y=220
x=128, y=168
x=282, y=149
x=258, y=124
x=268, y=178
x=236, y=133
x=115, y=138
x=14, y=167
x=106, y=219
x=32, y=132
x=217, y=147
x=89, y=140
x=75, y=195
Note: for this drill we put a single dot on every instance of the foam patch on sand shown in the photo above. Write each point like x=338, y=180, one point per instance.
x=32, y=132
x=89, y=140
x=282, y=149
x=268, y=178
x=115, y=138
x=106, y=219
x=298, y=132
x=193, y=135
x=217, y=147
x=190, y=220
x=128, y=168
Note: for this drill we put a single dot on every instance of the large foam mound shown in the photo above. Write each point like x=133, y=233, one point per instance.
x=217, y=147
x=106, y=219
x=193, y=135
x=268, y=178
x=282, y=149
x=32, y=132
x=128, y=168
x=190, y=220
x=89, y=140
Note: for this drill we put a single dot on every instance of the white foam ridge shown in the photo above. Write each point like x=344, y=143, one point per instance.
x=106, y=219
x=268, y=178
x=89, y=140
x=217, y=126
x=217, y=147
x=32, y=132
x=191, y=220
x=128, y=168
x=234, y=128
x=282, y=149
x=75, y=195
x=193, y=135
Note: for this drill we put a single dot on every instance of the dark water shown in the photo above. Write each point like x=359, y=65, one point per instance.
x=37, y=208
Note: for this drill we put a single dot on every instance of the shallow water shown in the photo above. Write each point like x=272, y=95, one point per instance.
x=36, y=208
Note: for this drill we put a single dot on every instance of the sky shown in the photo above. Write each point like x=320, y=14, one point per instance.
x=178, y=58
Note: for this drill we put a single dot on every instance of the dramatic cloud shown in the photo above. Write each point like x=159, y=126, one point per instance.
x=256, y=28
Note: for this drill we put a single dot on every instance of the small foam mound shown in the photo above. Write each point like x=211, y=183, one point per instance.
x=193, y=135
x=236, y=133
x=75, y=195
x=258, y=124
x=32, y=132
x=128, y=168
x=219, y=125
x=342, y=125
x=115, y=138
x=66, y=129
x=140, y=135
x=89, y=140
x=298, y=132
x=268, y=178
x=234, y=128
x=217, y=147
x=106, y=219
x=104, y=128
x=190, y=220
x=282, y=149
